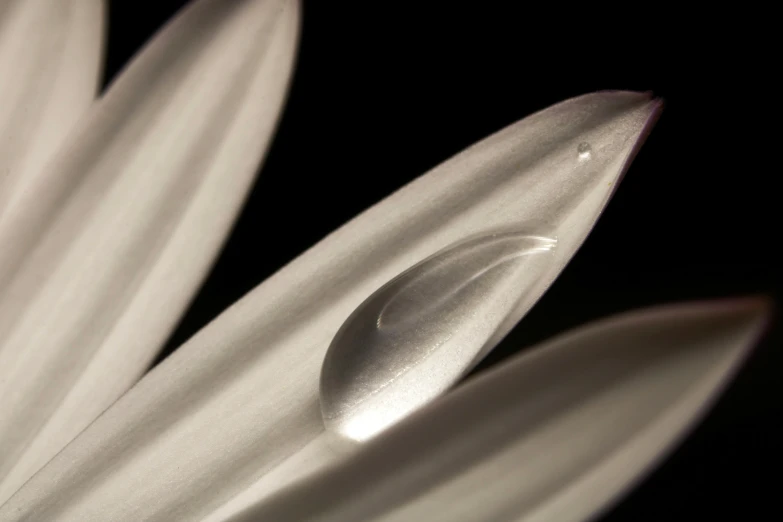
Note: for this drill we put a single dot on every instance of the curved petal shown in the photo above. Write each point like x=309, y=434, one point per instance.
x=124, y=225
x=557, y=433
x=50, y=65
x=242, y=394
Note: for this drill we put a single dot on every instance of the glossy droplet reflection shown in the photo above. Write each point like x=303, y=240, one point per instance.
x=584, y=151
x=417, y=335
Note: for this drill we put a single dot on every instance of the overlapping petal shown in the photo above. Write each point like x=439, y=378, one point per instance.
x=242, y=395
x=112, y=239
x=558, y=433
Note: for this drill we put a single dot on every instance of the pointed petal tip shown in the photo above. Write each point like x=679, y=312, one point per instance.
x=647, y=95
x=646, y=109
x=759, y=304
x=647, y=99
x=638, y=112
x=750, y=315
x=754, y=310
x=655, y=106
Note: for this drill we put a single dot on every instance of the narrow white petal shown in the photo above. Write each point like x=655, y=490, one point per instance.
x=50, y=64
x=555, y=434
x=127, y=219
x=242, y=395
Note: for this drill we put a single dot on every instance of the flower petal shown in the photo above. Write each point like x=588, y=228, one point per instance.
x=557, y=433
x=125, y=223
x=50, y=65
x=242, y=394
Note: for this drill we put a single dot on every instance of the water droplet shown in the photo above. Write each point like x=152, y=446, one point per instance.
x=417, y=335
x=584, y=150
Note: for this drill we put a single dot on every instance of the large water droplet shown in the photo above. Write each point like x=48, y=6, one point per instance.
x=584, y=150
x=418, y=334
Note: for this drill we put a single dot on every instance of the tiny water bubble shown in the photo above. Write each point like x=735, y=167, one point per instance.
x=584, y=151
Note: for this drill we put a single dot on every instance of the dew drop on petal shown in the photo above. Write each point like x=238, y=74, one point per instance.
x=417, y=335
x=584, y=150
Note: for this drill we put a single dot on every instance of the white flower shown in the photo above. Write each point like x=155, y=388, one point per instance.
x=109, y=224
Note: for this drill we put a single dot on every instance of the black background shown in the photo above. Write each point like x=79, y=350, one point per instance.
x=385, y=91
